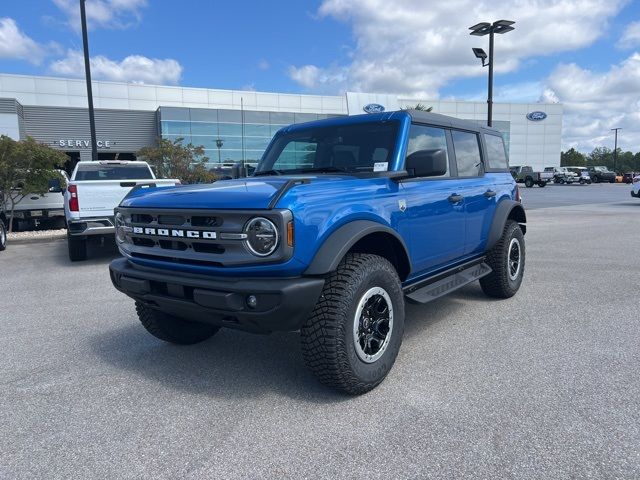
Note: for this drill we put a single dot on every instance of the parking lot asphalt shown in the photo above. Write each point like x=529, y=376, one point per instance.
x=575, y=194
x=543, y=385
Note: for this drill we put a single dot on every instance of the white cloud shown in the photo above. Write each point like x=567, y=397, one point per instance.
x=595, y=102
x=631, y=36
x=307, y=75
x=14, y=43
x=103, y=13
x=414, y=47
x=134, y=68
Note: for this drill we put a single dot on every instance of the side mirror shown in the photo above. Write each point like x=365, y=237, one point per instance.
x=427, y=163
x=55, y=186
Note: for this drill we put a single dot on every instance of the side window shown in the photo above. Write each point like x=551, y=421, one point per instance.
x=496, y=154
x=467, y=151
x=428, y=138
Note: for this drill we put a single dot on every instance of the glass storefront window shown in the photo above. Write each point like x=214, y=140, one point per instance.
x=185, y=138
x=204, y=115
x=230, y=116
x=253, y=130
x=175, y=128
x=204, y=128
x=230, y=129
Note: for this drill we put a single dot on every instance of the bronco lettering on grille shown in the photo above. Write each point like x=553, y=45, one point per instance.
x=179, y=233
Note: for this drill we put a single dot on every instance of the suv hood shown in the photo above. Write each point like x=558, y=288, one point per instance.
x=244, y=193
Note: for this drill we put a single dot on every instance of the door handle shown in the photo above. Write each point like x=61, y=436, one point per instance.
x=455, y=198
x=489, y=194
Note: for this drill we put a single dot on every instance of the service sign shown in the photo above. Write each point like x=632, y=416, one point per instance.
x=536, y=116
x=69, y=143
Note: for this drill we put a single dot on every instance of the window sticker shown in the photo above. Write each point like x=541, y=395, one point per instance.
x=380, y=166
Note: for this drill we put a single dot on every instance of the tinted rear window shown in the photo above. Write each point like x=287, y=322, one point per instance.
x=496, y=154
x=467, y=151
x=113, y=172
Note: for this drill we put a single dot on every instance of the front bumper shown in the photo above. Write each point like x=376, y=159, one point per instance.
x=283, y=304
x=91, y=226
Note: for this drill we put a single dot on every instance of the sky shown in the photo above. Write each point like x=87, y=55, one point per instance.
x=584, y=54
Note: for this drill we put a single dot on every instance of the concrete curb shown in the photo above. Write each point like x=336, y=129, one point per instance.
x=28, y=240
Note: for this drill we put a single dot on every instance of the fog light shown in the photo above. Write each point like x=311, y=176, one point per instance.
x=252, y=301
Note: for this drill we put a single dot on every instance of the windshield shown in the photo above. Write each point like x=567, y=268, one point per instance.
x=364, y=147
x=113, y=172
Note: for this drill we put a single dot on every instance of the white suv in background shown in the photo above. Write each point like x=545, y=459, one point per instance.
x=635, y=186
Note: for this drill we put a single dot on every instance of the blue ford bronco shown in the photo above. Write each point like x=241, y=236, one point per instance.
x=342, y=221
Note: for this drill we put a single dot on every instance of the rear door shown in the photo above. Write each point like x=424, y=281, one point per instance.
x=436, y=225
x=475, y=186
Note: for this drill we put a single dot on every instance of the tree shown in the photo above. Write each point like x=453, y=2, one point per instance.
x=172, y=159
x=419, y=106
x=572, y=158
x=26, y=167
x=600, y=156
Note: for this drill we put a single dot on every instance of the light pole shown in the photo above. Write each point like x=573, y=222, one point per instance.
x=615, y=147
x=481, y=29
x=87, y=71
x=219, y=144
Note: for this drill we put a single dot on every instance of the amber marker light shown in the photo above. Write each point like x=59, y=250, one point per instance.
x=290, y=233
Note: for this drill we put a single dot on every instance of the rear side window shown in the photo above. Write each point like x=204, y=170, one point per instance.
x=467, y=151
x=496, y=154
x=427, y=138
x=113, y=172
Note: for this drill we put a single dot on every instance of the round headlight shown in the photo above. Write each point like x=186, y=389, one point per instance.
x=120, y=230
x=262, y=236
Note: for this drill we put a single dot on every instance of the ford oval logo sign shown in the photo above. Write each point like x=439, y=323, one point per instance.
x=373, y=108
x=536, y=116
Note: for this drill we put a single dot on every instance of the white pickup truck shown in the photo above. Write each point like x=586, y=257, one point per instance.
x=34, y=209
x=95, y=189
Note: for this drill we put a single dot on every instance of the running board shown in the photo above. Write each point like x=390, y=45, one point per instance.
x=459, y=277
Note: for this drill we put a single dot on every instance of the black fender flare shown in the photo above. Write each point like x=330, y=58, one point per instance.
x=505, y=209
x=336, y=246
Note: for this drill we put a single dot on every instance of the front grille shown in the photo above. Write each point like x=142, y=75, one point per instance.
x=199, y=237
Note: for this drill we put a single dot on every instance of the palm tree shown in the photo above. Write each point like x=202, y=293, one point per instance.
x=421, y=107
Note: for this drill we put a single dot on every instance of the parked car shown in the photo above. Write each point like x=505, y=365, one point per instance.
x=562, y=175
x=372, y=210
x=601, y=174
x=635, y=186
x=628, y=177
x=48, y=208
x=582, y=173
x=95, y=189
x=525, y=174
x=3, y=230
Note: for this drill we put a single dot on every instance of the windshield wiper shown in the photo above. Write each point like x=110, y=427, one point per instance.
x=267, y=172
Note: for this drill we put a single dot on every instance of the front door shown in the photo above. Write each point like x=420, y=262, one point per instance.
x=435, y=213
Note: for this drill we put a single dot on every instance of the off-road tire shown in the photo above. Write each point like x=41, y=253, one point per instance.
x=542, y=184
x=499, y=283
x=327, y=336
x=77, y=248
x=528, y=182
x=172, y=329
x=3, y=235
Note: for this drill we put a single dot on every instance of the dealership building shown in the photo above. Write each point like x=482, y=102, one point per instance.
x=229, y=124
